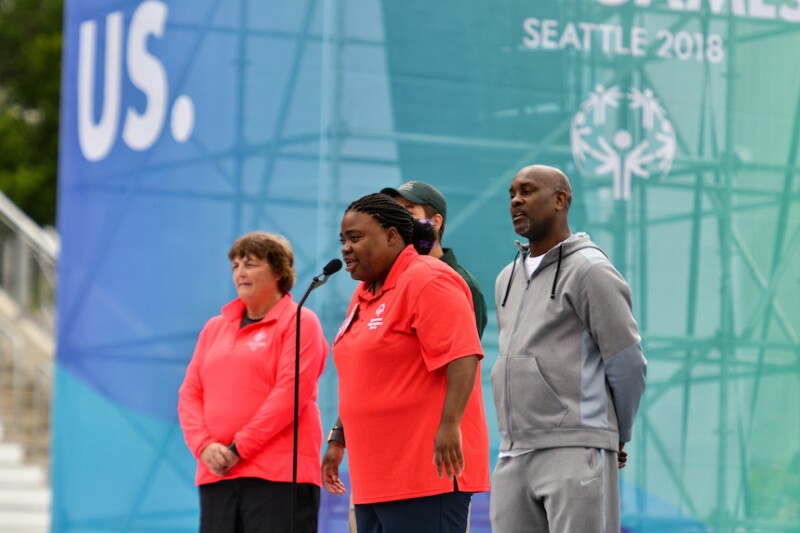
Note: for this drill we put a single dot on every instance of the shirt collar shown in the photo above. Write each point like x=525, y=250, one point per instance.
x=449, y=256
x=235, y=309
x=398, y=267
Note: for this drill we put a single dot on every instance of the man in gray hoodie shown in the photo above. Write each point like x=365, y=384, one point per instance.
x=570, y=372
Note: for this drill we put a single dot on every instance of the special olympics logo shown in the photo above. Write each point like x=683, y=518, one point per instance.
x=644, y=145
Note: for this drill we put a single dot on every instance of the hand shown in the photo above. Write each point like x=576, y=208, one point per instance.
x=330, y=468
x=232, y=461
x=622, y=456
x=218, y=458
x=447, y=454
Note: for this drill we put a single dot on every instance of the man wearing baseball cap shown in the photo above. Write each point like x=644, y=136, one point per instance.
x=426, y=202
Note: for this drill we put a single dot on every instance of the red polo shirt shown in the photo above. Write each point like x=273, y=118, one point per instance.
x=391, y=354
x=240, y=385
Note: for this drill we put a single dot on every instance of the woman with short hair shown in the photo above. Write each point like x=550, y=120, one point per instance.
x=236, y=404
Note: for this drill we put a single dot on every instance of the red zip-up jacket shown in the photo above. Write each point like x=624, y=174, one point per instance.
x=239, y=386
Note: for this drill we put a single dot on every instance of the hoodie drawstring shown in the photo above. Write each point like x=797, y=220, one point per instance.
x=555, y=278
x=511, y=277
x=558, y=269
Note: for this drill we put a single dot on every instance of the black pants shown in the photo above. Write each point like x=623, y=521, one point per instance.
x=443, y=513
x=252, y=505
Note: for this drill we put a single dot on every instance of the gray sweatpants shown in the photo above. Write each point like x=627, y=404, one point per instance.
x=557, y=490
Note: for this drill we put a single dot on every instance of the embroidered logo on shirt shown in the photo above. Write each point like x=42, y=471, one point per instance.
x=257, y=342
x=378, y=320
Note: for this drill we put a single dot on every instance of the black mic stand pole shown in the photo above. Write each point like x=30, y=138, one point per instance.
x=329, y=269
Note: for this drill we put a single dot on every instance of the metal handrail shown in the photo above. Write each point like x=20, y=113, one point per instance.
x=44, y=243
x=28, y=256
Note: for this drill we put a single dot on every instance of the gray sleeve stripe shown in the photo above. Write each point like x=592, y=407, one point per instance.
x=626, y=373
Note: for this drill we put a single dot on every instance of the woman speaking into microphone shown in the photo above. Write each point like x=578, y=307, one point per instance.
x=408, y=360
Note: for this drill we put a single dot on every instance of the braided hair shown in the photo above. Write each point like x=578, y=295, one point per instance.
x=388, y=213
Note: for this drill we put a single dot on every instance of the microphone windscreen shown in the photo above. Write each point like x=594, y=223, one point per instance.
x=333, y=266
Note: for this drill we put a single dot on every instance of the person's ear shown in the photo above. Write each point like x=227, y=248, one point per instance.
x=392, y=235
x=437, y=221
x=562, y=201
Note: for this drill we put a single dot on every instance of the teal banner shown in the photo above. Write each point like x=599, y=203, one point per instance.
x=186, y=124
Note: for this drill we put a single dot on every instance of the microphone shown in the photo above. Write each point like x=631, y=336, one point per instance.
x=333, y=266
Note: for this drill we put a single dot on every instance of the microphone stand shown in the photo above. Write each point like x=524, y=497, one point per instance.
x=316, y=282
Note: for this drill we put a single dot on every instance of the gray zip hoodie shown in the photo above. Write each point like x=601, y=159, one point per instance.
x=570, y=370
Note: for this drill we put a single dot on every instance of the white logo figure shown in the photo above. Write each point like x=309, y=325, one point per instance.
x=635, y=140
x=257, y=342
x=378, y=320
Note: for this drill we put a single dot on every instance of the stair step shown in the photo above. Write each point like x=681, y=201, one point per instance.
x=19, y=499
x=11, y=453
x=20, y=476
x=27, y=521
x=25, y=495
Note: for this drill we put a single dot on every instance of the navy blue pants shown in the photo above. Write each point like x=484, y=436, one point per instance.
x=443, y=513
x=252, y=505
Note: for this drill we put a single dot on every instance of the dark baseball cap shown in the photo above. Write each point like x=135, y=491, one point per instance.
x=420, y=192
